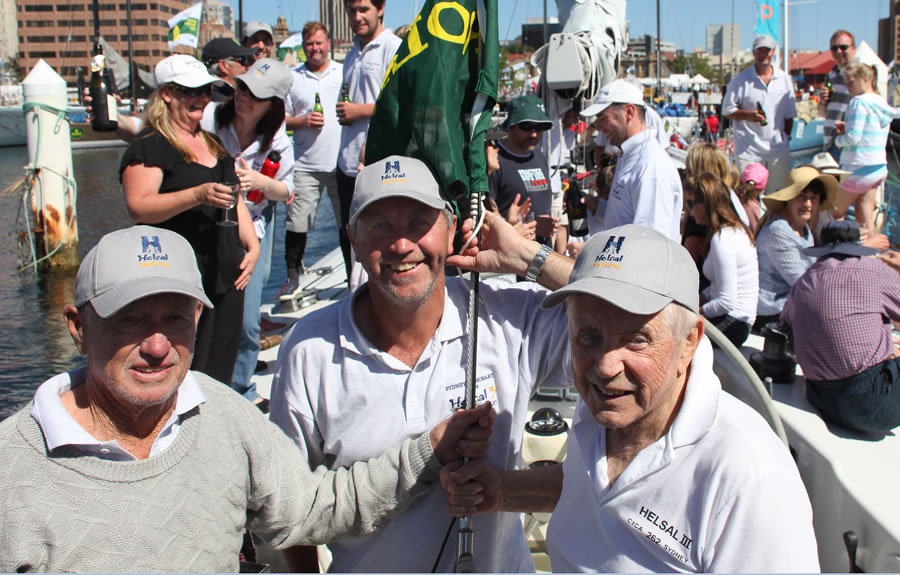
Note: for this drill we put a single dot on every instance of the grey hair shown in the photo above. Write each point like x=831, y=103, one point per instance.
x=679, y=319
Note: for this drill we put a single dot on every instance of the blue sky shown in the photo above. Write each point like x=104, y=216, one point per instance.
x=683, y=21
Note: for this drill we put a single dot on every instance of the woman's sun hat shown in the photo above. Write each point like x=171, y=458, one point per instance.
x=797, y=181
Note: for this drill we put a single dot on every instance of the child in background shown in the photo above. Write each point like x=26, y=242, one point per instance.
x=753, y=182
x=863, y=137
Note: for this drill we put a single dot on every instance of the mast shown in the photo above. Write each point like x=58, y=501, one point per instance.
x=658, y=56
x=132, y=89
x=787, y=51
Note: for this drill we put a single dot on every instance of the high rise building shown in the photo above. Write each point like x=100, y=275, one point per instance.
x=333, y=15
x=889, y=33
x=9, y=39
x=62, y=32
x=723, y=40
x=218, y=12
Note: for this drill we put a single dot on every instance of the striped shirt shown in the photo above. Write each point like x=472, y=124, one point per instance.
x=868, y=122
x=837, y=105
x=839, y=312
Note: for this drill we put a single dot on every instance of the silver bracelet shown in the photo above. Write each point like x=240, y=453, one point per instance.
x=537, y=264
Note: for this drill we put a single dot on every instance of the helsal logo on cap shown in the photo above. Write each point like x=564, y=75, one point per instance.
x=392, y=173
x=261, y=71
x=152, y=252
x=611, y=256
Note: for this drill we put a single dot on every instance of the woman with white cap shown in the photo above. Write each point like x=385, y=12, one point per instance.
x=174, y=176
x=251, y=127
x=784, y=231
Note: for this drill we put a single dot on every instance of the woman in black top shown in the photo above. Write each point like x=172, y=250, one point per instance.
x=172, y=175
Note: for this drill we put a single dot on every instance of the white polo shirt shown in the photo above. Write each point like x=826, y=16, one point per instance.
x=646, y=189
x=364, y=71
x=316, y=150
x=343, y=400
x=718, y=493
x=753, y=142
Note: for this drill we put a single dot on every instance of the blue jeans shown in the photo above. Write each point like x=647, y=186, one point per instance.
x=248, y=351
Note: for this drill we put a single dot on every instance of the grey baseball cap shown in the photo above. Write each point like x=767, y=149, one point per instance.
x=268, y=78
x=634, y=268
x=130, y=264
x=396, y=177
x=251, y=28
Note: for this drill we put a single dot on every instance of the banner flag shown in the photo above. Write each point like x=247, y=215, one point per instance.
x=438, y=95
x=184, y=27
x=768, y=19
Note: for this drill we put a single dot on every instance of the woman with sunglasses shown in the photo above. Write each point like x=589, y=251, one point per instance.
x=251, y=126
x=729, y=258
x=173, y=175
x=783, y=232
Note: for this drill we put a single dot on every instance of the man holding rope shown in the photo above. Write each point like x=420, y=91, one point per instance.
x=389, y=360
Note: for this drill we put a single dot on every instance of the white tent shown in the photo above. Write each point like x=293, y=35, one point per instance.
x=292, y=41
x=699, y=79
x=866, y=55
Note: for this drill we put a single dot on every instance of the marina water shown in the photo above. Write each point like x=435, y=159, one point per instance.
x=35, y=343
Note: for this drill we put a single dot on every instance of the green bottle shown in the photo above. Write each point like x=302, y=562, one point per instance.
x=318, y=105
x=345, y=97
x=762, y=112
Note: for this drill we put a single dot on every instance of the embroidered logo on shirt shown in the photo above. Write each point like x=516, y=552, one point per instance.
x=392, y=173
x=533, y=179
x=485, y=390
x=151, y=252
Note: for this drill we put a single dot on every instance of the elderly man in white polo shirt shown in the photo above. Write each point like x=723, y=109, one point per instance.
x=664, y=471
x=646, y=189
x=762, y=137
x=388, y=360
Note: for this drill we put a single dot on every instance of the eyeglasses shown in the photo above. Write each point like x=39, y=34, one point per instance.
x=810, y=197
x=841, y=47
x=205, y=90
x=245, y=61
x=528, y=126
x=244, y=88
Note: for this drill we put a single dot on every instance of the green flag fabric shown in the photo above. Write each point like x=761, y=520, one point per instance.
x=438, y=95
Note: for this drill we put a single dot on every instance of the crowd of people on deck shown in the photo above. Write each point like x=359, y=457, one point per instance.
x=145, y=460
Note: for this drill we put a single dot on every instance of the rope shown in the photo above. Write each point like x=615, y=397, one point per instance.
x=32, y=181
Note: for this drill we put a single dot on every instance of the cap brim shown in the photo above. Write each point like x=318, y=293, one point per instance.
x=197, y=80
x=626, y=296
x=846, y=249
x=542, y=122
x=111, y=301
x=594, y=109
x=430, y=201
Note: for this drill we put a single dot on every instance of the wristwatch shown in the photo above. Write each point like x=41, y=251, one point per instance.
x=537, y=264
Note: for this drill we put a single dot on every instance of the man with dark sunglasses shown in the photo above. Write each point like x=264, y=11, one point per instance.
x=523, y=167
x=225, y=58
x=833, y=102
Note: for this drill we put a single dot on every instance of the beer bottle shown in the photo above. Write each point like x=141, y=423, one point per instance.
x=318, y=105
x=104, y=113
x=345, y=97
x=828, y=87
x=762, y=112
x=575, y=210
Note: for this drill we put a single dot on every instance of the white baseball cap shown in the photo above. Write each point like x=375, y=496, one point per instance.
x=251, y=28
x=616, y=92
x=763, y=41
x=183, y=70
x=396, y=177
x=268, y=78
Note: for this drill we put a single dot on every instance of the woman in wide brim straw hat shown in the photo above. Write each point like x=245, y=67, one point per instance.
x=784, y=231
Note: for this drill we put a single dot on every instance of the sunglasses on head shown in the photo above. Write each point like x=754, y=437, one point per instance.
x=841, y=47
x=244, y=88
x=194, y=92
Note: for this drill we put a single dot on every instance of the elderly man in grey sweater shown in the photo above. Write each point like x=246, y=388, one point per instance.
x=135, y=463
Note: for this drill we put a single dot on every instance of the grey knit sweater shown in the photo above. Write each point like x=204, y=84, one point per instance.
x=185, y=508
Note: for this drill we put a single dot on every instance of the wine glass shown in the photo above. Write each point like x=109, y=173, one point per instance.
x=234, y=188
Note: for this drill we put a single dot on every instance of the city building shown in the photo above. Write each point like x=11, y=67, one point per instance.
x=61, y=32
x=333, y=15
x=723, y=42
x=281, y=32
x=889, y=34
x=9, y=38
x=218, y=12
x=642, y=46
x=533, y=31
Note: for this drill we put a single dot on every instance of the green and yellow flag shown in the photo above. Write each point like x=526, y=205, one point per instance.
x=184, y=27
x=439, y=92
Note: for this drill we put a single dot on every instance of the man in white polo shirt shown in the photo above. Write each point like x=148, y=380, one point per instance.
x=646, y=189
x=317, y=138
x=762, y=137
x=390, y=359
x=364, y=69
x=665, y=471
